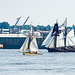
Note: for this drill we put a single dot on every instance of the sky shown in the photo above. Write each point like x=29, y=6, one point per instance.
x=42, y=12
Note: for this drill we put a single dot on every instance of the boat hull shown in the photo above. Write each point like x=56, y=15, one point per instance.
x=28, y=53
x=69, y=49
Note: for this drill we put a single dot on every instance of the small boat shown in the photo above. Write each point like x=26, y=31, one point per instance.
x=60, y=42
x=28, y=53
x=33, y=47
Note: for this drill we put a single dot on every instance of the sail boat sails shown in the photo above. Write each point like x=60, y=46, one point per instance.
x=33, y=48
x=60, y=42
x=25, y=44
x=31, y=43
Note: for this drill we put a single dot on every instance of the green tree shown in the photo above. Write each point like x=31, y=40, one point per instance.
x=48, y=27
x=34, y=28
x=4, y=25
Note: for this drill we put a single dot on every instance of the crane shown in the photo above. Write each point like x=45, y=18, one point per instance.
x=25, y=21
x=17, y=21
x=15, y=30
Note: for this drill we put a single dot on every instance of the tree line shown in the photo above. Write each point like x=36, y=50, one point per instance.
x=6, y=25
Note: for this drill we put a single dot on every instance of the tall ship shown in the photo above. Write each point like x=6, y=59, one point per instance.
x=63, y=41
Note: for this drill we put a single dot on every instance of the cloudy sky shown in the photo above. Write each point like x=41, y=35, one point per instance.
x=40, y=11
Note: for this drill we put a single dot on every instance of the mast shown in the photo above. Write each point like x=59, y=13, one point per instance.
x=29, y=41
x=30, y=37
x=65, y=32
x=55, y=40
x=55, y=33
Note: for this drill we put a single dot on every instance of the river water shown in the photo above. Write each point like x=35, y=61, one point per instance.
x=13, y=62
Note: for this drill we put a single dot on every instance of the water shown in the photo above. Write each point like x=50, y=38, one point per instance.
x=14, y=63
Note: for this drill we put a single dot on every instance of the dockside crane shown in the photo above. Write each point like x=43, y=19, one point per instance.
x=15, y=30
x=17, y=21
x=25, y=22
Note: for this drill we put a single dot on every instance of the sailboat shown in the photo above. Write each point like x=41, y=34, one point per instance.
x=60, y=41
x=33, y=47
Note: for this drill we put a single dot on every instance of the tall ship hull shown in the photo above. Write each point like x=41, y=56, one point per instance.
x=70, y=49
x=15, y=41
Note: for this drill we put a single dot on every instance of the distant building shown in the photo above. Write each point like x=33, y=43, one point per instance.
x=4, y=31
x=25, y=32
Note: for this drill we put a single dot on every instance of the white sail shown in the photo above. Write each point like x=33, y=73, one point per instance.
x=51, y=43
x=71, y=42
x=70, y=38
x=71, y=33
x=60, y=40
x=33, y=45
x=25, y=44
x=48, y=39
x=21, y=49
